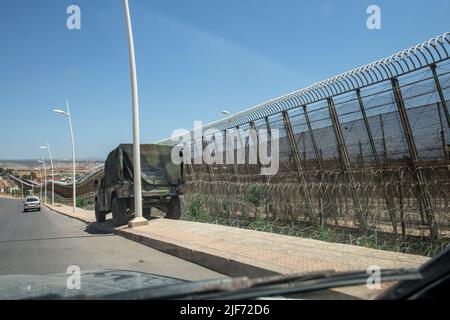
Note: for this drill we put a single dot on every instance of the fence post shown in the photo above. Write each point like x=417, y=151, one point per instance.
x=441, y=94
x=385, y=153
x=361, y=154
x=424, y=197
x=442, y=134
x=387, y=198
x=229, y=144
x=255, y=139
x=401, y=203
x=361, y=215
x=198, y=159
x=206, y=157
x=269, y=140
x=243, y=145
x=268, y=128
x=219, y=165
x=321, y=175
x=300, y=173
x=305, y=159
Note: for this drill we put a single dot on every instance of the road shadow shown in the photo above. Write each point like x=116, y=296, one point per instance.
x=30, y=211
x=106, y=227
x=152, y=218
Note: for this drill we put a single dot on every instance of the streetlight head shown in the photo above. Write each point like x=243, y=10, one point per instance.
x=43, y=147
x=225, y=112
x=59, y=111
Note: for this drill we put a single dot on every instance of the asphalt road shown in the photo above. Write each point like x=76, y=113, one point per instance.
x=45, y=242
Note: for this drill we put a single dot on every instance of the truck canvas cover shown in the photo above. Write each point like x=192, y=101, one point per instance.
x=157, y=167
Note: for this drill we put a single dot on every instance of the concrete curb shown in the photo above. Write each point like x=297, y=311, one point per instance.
x=217, y=263
x=66, y=214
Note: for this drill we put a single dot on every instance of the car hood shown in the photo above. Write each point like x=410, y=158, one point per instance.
x=92, y=284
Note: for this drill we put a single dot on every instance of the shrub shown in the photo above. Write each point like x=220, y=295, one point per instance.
x=81, y=202
x=194, y=208
x=254, y=195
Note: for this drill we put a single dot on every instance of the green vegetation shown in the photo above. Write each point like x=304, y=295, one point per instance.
x=323, y=233
x=195, y=210
x=258, y=224
x=253, y=195
x=81, y=202
x=197, y=207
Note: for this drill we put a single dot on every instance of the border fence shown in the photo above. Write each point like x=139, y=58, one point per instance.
x=368, y=149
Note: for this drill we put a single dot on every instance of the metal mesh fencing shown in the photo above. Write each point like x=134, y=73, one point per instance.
x=372, y=158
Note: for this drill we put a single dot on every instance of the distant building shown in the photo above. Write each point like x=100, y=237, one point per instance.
x=3, y=185
x=56, y=178
x=6, y=186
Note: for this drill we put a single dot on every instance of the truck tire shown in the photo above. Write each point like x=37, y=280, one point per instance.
x=100, y=216
x=174, y=208
x=119, y=212
x=147, y=213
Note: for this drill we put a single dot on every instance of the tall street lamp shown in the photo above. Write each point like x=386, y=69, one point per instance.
x=74, y=186
x=45, y=179
x=32, y=182
x=47, y=147
x=138, y=219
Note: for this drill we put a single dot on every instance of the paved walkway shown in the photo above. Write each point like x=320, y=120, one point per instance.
x=238, y=252
x=80, y=214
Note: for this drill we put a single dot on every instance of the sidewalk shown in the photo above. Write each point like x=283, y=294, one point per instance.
x=87, y=216
x=238, y=252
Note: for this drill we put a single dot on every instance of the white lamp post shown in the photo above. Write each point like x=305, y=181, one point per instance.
x=32, y=182
x=69, y=116
x=53, y=173
x=138, y=219
x=45, y=179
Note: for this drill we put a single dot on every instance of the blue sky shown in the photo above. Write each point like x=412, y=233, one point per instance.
x=194, y=59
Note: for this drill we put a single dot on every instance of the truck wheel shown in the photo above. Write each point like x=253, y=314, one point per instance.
x=119, y=212
x=174, y=208
x=99, y=215
x=147, y=213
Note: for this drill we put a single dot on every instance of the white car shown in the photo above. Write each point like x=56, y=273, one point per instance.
x=31, y=203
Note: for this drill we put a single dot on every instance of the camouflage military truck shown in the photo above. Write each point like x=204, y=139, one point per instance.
x=161, y=182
